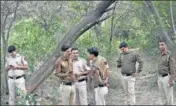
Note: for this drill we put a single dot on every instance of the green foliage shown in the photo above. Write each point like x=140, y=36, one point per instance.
x=34, y=42
x=31, y=41
x=102, y=43
x=55, y=94
x=24, y=98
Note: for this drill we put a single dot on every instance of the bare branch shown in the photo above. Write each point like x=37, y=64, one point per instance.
x=15, y=12
x=126, y=13
x=111, y=8
x=4, y=23
x=172, y=18
x=112, y=26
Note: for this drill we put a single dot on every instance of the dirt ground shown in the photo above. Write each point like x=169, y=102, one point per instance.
x=146, y=88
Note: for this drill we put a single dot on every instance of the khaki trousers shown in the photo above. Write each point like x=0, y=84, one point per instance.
x=67, y=94
x=16, y=84
x=100, y=93
x=81, y=93
x=166, y=92
x=128, y=83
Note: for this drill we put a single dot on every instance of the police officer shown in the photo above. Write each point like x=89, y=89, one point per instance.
x=64, y=70
x=100, y=74
x=165, y=74
x=127, y=62
x=16, y=66
x=81, y=70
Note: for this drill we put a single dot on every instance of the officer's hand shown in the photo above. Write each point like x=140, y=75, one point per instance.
x=171, y=82
x=68, y=78
x=68, y=73
x=134, y=74
x=8, y=68
x=85, y=73
x=13, y=67
x=77, y=75
x=107, y=85
x=73, y=76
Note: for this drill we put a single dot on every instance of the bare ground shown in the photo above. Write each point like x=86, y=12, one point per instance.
x=146, y=88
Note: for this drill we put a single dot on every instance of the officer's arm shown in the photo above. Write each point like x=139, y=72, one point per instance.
x=140, y=61
x=171, y=67
x=106, y=71
x=107, y=74
x=119, y=62
x=24, y=65
x=7, y=67
x=86, y=68
x=58, y=70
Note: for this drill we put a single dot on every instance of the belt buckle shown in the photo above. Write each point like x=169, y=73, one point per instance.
x=13, y=77
x=95, y=86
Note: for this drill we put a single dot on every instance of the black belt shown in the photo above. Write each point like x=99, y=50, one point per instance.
x=164, y=75
x=84, y=79
x=100, y=85
x=16, y=77
x=129, y=74
x=68, y=83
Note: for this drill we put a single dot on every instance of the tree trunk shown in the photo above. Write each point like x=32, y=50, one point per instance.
x=48, y=67
x=97, y=29
x=4, y=83
x=170, y=44
x=5, y=37
x=172, y=18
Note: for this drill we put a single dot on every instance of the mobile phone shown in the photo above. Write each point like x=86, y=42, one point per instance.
x=11, y=66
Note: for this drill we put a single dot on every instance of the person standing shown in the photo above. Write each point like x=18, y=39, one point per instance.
x=81, y=70
x=166, y=70
x=127, y=64
x=100, y=75
x=64, y=70
x=16, y=66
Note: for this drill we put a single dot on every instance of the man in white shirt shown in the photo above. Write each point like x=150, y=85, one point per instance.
x=15, y=65
x=81, y=70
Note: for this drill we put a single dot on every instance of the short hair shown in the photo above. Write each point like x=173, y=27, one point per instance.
x=11, y=48
x=74, y=48
x=65, y=47
x=94, y=51
x=123, y=44
x=161, y=39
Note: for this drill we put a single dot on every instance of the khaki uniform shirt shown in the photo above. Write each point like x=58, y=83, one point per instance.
x=102, y=70
x=166, y=64
x=127, y=62
x=64, y=65
x=80, y=65
x=15, y=61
